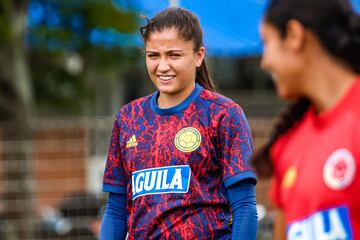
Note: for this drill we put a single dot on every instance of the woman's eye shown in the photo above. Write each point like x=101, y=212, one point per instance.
x=152, y=56
x=175, y=56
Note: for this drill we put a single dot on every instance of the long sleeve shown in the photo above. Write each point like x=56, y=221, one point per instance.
x=114, y=226
x=243, y=205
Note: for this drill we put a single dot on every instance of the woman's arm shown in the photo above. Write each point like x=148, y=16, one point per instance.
x=279, y=225
x=114, y=226
x=242, y=200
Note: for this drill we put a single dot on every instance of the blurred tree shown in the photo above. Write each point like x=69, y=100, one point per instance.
x=71, y=43
x=16, y=100
x=46, y=59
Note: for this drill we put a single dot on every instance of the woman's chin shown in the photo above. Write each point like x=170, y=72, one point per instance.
x=169, y=90
x=286, y=95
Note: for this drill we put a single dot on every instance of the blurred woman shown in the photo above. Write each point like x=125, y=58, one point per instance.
x=312, y=51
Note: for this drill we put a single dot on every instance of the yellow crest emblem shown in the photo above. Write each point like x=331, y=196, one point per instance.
x=290, y=177
x=187, y=139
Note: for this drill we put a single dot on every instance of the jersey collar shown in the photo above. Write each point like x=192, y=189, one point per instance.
x=178, y=108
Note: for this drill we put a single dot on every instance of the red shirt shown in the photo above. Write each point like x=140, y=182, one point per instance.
x=174, y=165
x=317, y=172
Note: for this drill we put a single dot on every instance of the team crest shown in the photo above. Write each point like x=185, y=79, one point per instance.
x=339, y=169
x=187, y=139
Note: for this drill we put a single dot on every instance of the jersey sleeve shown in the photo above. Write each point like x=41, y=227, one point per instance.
x=114, y=174
x=235, y=147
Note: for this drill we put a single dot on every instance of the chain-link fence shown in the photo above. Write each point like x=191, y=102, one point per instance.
x=51, y=176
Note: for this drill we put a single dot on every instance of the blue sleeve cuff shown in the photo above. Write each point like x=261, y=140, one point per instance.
x=114, y=222
x=240, y=177
x=114, y=189
x=243, y=205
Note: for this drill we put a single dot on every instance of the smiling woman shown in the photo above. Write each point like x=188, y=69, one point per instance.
x=176, y=35
x=178, y=162
x=171, y=63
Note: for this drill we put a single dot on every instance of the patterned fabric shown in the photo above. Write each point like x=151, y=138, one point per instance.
x=175, y=163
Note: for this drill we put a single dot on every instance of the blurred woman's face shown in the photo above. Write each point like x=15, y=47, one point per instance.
x=171, y=63
x=281, y=61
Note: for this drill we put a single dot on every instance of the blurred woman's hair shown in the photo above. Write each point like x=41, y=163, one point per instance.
x=189, y=29
x=334, y=22
x=337, y=27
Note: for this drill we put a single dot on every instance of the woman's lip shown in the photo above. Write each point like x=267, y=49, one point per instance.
x=166, y=77
x=166, y=80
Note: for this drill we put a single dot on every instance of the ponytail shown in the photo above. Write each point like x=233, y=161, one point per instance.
x=204, y=79
x=261, y=160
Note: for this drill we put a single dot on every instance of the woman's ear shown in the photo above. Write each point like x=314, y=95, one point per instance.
x=200, y=56
x=295, y=35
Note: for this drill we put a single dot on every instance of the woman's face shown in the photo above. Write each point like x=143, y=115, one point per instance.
x=171, y=63
x=282, y=60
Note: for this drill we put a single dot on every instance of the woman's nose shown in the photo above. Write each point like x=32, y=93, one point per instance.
x=163, y=65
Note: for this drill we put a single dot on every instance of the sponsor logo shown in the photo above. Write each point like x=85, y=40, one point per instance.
x=131, y=142
x=339, y=169
x=289, y=178
x=330, y=224
x=187, y=139
x=171, y=179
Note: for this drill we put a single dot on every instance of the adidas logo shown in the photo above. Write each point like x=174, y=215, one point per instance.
x=131, y=142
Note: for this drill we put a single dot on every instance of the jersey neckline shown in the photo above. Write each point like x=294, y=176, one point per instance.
x=342, y=105
x=178, y=108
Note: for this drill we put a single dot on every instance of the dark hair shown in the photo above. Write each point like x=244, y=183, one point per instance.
x=189, y=29
x=334, y=22
x=261, y=159
x=337, y=27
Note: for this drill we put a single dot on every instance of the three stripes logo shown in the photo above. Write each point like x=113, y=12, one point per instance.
x=131, y=142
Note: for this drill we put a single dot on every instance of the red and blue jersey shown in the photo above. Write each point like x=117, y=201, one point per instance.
x=174, y=165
